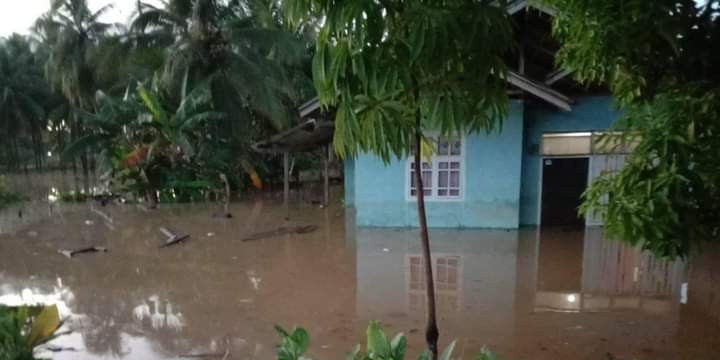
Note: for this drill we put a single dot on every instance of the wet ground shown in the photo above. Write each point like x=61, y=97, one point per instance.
x=529, y=294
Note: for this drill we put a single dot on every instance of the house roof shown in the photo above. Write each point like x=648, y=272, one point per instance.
x=309, y=135
x=313, y=133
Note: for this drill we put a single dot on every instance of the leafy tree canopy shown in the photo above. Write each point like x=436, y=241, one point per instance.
x=657, y=57
x=386, y=64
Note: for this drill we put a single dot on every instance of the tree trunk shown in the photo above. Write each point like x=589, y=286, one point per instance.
x=431, y=331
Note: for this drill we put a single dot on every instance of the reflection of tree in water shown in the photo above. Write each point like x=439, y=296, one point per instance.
x=104, y=337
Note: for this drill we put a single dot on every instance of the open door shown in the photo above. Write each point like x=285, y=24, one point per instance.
x=563, y=182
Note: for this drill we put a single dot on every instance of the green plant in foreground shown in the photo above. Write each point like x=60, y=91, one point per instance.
x=23, y=329
x=378, y=347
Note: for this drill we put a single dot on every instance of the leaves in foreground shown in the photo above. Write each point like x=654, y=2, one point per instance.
x=23, y=329
x=295, y=344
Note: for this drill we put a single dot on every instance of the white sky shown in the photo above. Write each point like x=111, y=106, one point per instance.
x=19, y=15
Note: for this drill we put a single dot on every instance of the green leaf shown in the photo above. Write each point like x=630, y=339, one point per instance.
x=44, y=325
x=398, y=345
x=448, y=351
x=377, y=343
x=425, y=355
x=302, y=339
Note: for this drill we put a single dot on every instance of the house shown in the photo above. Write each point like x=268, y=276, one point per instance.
x=533, y=172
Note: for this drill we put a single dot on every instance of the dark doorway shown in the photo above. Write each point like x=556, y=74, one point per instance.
x=563, y=182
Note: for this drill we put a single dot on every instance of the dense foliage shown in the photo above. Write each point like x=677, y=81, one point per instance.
x=658, y=59
x=169, y=102
x=385, y=64
x=23, y=103
x=295, y=344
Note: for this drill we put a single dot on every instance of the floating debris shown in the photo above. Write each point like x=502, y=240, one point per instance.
x=283, y=230
x=102, y=214
x=172, y=238
x=92, y=249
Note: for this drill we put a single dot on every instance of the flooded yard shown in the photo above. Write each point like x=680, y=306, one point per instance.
x=528, y=294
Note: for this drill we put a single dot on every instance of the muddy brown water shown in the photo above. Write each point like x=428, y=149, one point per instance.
x=528, y=294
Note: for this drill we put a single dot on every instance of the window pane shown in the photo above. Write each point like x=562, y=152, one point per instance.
x=455, y=165
x=454, y=192
x=443, y=179
x=443, y=146
x=455, y=179
x=427, y=179
x=442, y=192
x=426, y=165
x=443, y=165
x=455, y=149
x=428, y=193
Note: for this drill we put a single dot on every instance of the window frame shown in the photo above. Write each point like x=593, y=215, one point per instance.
x=435, y=170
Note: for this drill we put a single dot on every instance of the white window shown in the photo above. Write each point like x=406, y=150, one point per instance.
x=442, y=175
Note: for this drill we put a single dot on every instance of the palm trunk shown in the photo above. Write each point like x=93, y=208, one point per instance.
x=431, y=331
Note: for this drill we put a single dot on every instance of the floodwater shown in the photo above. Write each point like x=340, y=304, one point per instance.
x=529, y=294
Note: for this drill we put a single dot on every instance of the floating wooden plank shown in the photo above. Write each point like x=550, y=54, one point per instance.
x=91, y=249
x=283, y=230
x=172, y=238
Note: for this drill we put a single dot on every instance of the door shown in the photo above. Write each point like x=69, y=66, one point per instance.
x=563, y=182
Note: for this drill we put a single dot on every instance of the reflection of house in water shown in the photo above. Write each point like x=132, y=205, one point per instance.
x=609, y=275
x=447, y=272
x=474, y=274
x=500, y=288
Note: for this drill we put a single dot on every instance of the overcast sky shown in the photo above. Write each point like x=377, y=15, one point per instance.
x=19, y=15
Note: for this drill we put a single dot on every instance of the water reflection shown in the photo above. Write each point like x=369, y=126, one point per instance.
x=582, y=271
x=530, y=294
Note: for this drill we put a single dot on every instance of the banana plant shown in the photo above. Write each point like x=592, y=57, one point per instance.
x=174, y=129
x=24, y=329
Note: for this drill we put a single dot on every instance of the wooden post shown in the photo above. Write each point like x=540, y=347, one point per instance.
x=326, y=175
x=286, y=182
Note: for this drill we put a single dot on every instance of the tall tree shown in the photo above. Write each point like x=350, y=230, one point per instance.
x=74, y=33
x=23, y=89
x=658, y=58
x=248, y=60
x=396, y=69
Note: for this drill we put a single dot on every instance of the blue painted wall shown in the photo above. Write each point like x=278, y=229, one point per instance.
x=589, y=113
x=491, y=178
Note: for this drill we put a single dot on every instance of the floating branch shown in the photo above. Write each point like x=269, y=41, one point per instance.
x=283, y=230
x=172, y=238
x=92, y=249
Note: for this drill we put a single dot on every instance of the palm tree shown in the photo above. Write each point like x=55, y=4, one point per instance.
x=252, y=65
x=23, y=87
x=74, y=34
